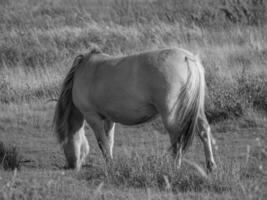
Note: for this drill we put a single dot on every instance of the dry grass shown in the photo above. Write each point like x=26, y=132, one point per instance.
x=140, y=177
x=38, y=42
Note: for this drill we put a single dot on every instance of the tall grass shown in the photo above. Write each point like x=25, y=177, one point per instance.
x=232, y=180
x=39, y=40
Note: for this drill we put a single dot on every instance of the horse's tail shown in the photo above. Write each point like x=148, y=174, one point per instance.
x=191, y=100
x=65, y=107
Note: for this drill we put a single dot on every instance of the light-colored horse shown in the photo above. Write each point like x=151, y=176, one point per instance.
x=103, y=90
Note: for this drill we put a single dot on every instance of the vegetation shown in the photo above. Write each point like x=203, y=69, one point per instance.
x=38, y=42
x=9, y=157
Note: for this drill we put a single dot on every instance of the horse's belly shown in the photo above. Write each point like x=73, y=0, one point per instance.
x=131, y=115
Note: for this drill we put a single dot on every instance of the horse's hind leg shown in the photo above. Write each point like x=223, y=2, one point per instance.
x=177, y=154
x=175, y=149
x=206, y=138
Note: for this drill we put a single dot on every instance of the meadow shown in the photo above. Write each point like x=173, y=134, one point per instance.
x=40, y=39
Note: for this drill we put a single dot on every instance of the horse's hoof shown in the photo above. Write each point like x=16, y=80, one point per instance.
x=211, y=166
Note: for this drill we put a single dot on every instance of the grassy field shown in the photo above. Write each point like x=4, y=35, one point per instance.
x=39, y=40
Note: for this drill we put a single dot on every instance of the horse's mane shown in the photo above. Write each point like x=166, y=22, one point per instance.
x=95, y=50
x=64, y=107
x=92, y=51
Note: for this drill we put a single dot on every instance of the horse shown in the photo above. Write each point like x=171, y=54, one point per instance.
x=103, y=90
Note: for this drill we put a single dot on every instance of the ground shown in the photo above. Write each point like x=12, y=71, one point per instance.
x=141, y=166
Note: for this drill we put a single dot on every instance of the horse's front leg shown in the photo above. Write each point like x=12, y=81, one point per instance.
x=104, y=133
x=109, y=127
x=76, y=146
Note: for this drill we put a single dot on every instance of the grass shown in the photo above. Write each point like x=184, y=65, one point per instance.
x=131, y=175
x=9, y=157
x=142, y=170
x=39, y=40
x=234, y=57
